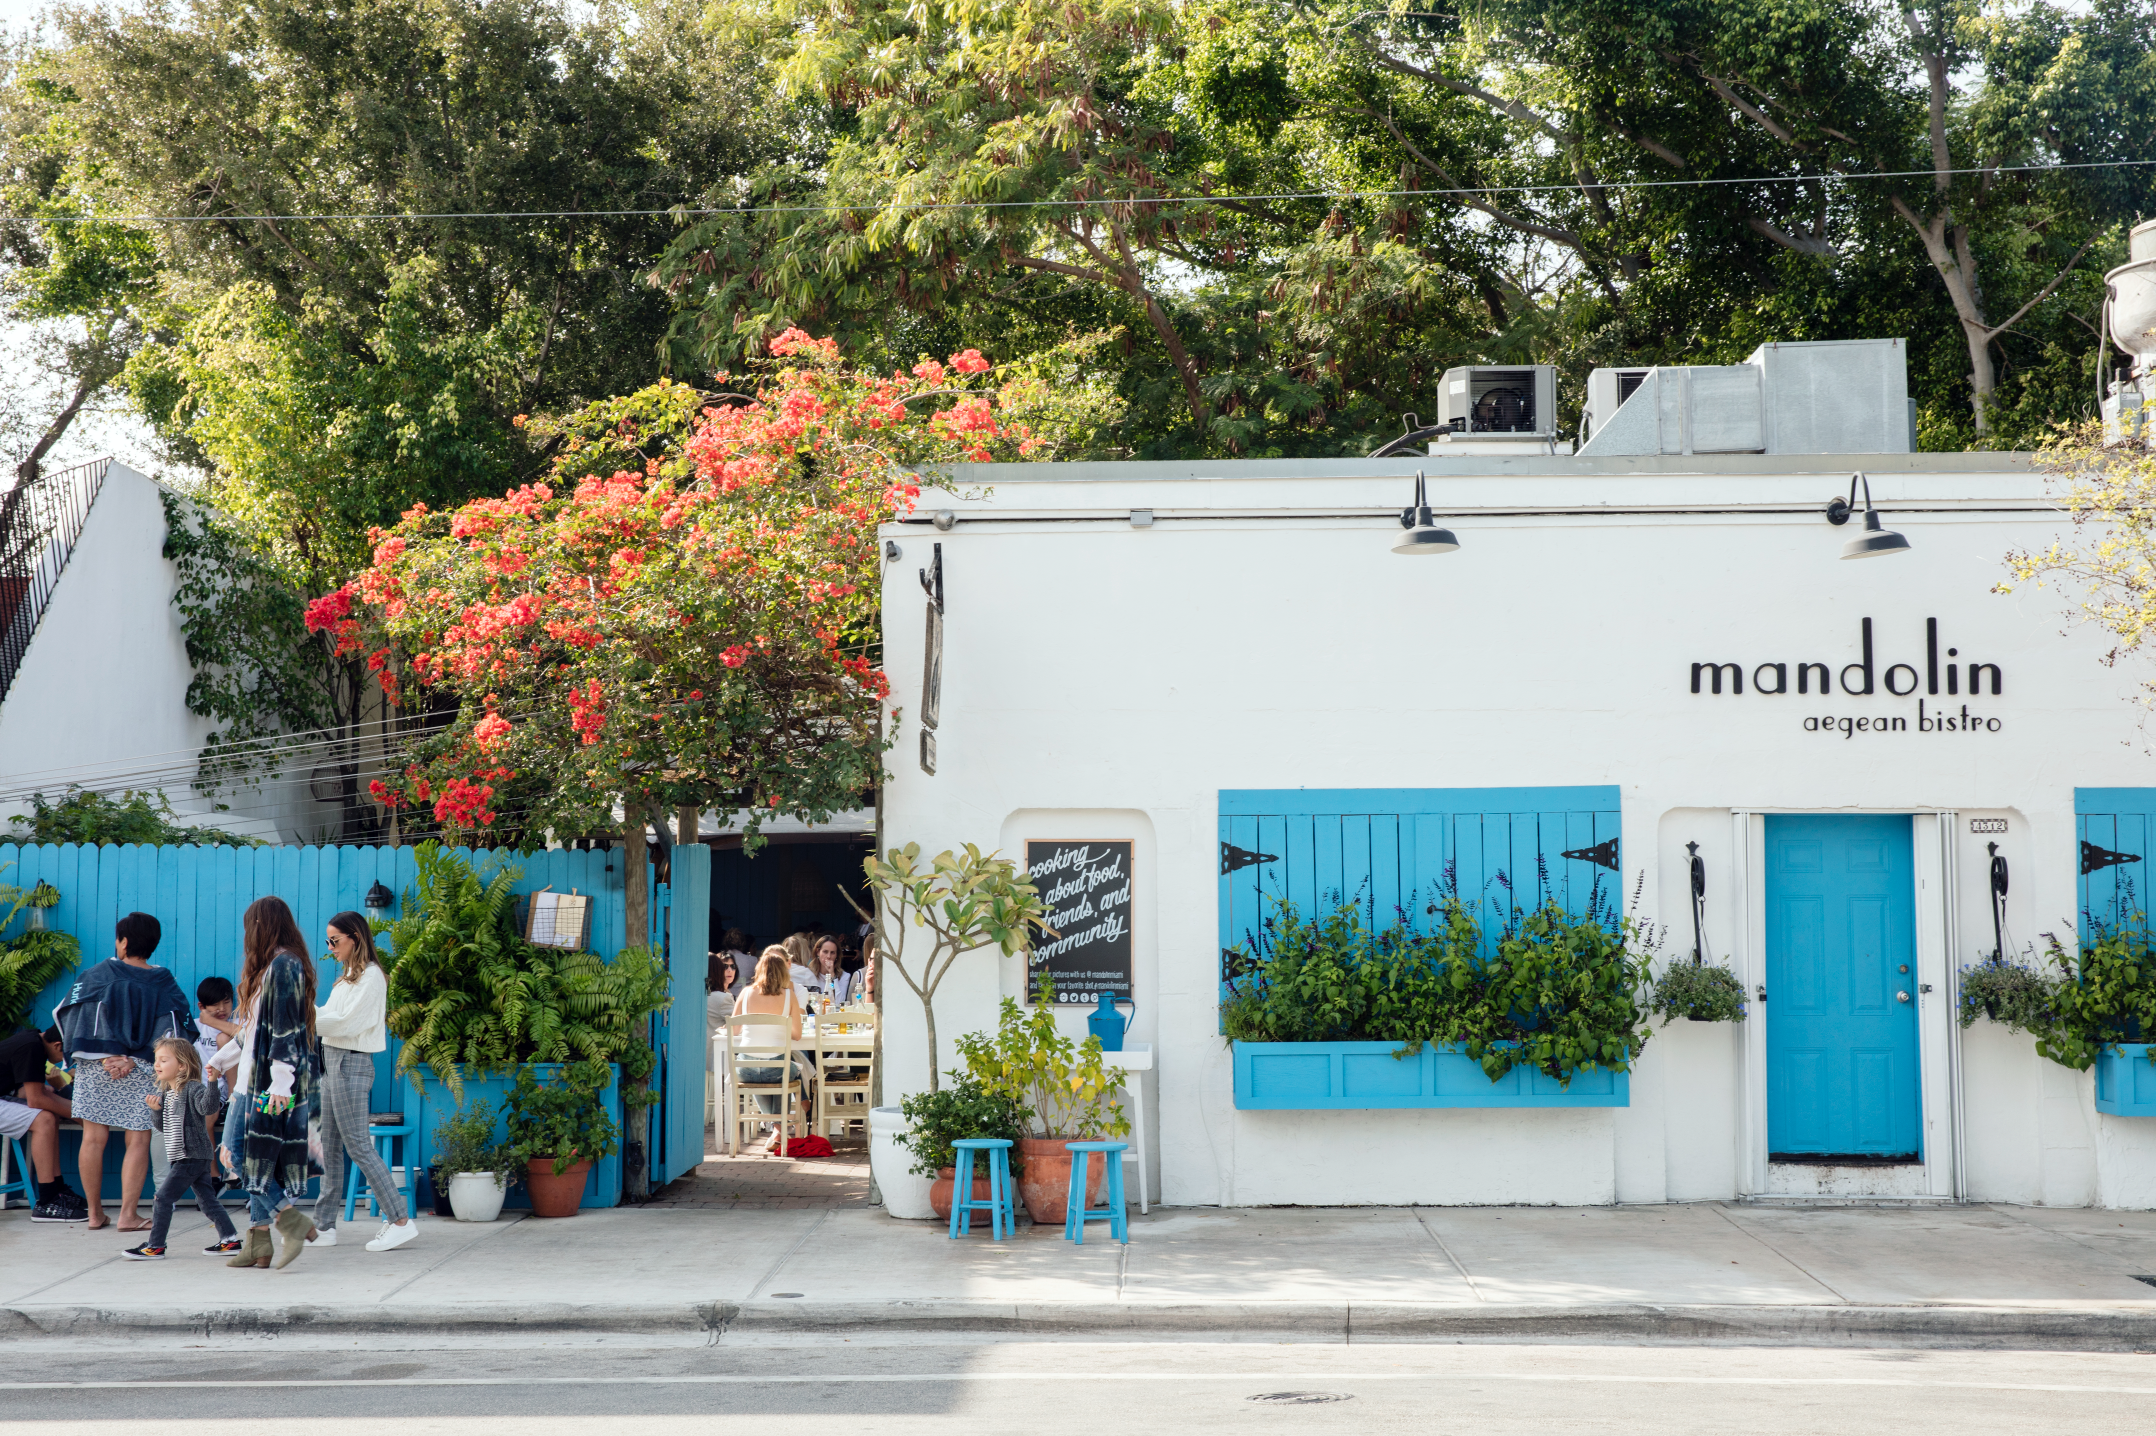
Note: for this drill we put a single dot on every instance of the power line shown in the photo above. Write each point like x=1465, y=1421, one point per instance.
x=1336, y=196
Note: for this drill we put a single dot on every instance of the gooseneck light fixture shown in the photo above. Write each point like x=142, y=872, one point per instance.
x=1423, y=535
x=1876, y=538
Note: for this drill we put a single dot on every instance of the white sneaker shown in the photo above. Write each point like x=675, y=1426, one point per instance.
x=323, y=1237
x=393, y=1236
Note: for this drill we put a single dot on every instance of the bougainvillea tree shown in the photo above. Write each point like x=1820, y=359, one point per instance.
x=683, y=614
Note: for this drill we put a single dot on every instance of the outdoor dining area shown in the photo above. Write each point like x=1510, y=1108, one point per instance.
x=818, y=1083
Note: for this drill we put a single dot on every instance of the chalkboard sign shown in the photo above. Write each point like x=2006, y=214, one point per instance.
x=1086, y=888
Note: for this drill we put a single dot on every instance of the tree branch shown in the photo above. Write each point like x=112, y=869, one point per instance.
x=2041, y=295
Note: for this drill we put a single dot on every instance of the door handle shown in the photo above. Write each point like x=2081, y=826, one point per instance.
x=1901, y=997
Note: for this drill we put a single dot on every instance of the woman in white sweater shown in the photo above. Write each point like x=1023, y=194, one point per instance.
x=353, y=1026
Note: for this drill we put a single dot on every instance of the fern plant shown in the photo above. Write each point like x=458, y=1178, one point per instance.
x=31, y=960
x=466, y=991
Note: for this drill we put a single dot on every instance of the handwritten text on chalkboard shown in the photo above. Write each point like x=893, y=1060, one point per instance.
x=1086, y=889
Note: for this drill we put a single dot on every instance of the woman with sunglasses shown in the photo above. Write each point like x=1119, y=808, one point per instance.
x=353, y=1027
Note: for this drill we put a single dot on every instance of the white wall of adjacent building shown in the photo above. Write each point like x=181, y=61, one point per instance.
x=1106, y=680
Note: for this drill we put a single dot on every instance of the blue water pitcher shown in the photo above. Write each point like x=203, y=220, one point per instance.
x=1108, y=1024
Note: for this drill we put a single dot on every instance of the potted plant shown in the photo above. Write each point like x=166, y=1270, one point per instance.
x=935, y=1120
x=472, y=1162
x=1699, y=991
x=965, y=901
x=557, y=1131
x=1060, y=1088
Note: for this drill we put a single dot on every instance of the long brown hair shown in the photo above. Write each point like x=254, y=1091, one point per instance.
x=815, y=962
x=267, y=929
x=357, y=928
x=773, y=972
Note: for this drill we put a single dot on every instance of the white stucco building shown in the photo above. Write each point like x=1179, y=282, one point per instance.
x=93, y=664
x=1228, y=667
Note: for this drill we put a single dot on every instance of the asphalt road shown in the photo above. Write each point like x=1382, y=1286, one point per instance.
x=1049, y=1389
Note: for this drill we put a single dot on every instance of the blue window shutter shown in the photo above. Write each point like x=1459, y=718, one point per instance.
x=1396, y=851
x=2112, y=854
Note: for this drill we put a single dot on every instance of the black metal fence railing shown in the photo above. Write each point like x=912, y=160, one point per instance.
x=40, y=522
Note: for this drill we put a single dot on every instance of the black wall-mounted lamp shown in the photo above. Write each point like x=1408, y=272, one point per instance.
x=378, y=901
x=1423, y=534
x=1876, y=539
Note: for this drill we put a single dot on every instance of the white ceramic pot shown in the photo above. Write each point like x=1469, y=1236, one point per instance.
x=905, y=1193
x=475, y=1196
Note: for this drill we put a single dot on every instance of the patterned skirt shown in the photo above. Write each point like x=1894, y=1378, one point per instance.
x=113, y=1104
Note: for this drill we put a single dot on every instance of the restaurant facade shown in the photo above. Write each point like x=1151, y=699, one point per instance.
x=1644, y=675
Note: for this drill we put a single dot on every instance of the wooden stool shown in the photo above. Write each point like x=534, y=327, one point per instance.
x=1075, y=1214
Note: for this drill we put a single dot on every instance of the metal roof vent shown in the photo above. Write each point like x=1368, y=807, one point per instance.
x=1831, y=397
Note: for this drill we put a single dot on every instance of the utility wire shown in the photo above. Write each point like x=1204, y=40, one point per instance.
x=687, y=211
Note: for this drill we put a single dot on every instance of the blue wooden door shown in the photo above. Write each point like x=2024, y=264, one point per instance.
x=1841, y=990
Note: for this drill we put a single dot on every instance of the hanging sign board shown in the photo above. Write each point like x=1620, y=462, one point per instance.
x=1086, y=889
x=558, y=919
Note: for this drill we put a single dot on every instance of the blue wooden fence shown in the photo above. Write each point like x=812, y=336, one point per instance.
x=198, y=894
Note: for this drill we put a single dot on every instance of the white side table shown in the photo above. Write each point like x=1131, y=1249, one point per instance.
x=1135, y=1062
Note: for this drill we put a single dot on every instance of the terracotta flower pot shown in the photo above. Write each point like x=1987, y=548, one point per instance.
x=939, y=1191
x=1045, y=1185
x=552, y=1195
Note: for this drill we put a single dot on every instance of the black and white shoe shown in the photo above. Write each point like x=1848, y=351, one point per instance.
x=229, y=1246
x=144, y=1252
x=59, y=1209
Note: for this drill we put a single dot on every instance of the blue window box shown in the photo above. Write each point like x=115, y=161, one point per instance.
x=2125, y=1080
x=1356, y=1076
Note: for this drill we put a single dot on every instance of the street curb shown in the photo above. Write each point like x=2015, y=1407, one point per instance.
x=2097, y=1329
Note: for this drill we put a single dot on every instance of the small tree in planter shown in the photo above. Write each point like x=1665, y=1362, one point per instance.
x=964, y=901
x=1062, y=1086
x=557, y=1131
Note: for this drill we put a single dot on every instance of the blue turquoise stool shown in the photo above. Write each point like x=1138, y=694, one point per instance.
x=1075, y=1213
x=20, y=1182
x=1002, y=1215
x=355, y=1182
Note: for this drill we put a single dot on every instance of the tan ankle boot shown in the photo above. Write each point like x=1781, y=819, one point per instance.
x=295, y=1227
x=257, y=1250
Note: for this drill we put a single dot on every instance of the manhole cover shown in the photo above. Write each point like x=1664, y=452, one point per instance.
x=785, y=1294
x=1303, y=1398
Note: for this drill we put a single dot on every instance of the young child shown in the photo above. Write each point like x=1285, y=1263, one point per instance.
x=177, y=1108
x=213, y=1002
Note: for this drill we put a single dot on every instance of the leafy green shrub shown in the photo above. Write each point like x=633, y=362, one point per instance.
x=465, y=1143
x=32, y=959
x=1559, y=992
x=2003, y=990
x=2106, y=994
x=1703, y=991
x=465, y=989
x=1059, y=1084
x=966, y=1108
x=97, y=818
x=565, y=1119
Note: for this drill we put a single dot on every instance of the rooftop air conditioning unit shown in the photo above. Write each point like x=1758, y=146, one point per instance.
x=1607, y=389
x=1514, y=403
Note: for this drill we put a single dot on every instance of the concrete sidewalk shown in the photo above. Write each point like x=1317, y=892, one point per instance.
x=1711, y=1271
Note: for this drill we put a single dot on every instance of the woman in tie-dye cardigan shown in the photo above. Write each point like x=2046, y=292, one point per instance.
x=274, y=1086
